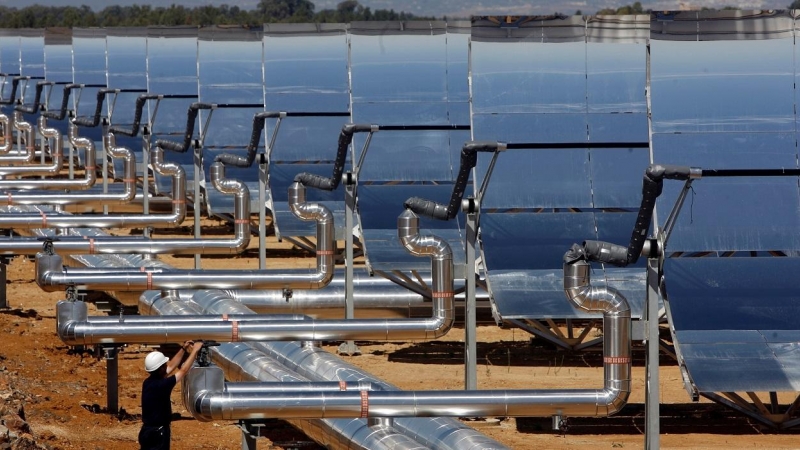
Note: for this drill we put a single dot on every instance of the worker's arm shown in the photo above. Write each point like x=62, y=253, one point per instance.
x=173, y=363
x=189, y=361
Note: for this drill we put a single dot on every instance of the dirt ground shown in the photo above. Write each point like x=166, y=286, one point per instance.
x=61, y=393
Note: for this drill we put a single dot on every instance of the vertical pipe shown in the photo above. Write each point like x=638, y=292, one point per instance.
x=652, y=381
x=198, y=167
x=146, y=175
x=470, y=339
x=349, y=347
x=262, y=211
x=104, y=155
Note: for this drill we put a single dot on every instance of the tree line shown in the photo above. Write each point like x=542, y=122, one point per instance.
x=267, y=11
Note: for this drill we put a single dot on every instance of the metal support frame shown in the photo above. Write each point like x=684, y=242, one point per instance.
x=548, y=330
x=262, y=210
x=146, y=174
x=198, y=168
x=112, y=378
x=3, y=278
x=104, y=155
x=249, y=435
x=349, y=347
x=756, y=409
x=263, y=176
x=652, y=434
x=470, y=326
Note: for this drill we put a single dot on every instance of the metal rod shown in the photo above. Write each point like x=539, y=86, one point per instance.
x=470, y=325
x=652, y=383
x=575, y=145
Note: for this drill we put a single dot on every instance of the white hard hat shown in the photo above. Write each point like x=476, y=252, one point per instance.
x=154, y=360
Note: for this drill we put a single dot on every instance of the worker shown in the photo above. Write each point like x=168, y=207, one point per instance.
x=156, y=390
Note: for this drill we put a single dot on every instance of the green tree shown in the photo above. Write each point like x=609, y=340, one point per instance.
x=284, y=10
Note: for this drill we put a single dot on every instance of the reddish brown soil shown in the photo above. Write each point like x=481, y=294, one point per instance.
x=62, y=391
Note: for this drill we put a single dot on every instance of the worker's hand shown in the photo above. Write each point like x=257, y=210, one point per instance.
x=186, y=345
x=198, y=345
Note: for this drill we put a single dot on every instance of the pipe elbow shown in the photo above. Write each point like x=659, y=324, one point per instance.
x=307, y=211
x=199, y=387
x=442, y=323
x=612, y=400
x=581, y=294
x=322, y=277
x=203, y=407
x=66, y=332
x=68, y=315
x=46, y=267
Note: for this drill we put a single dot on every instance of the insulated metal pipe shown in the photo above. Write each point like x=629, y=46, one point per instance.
x=209, y=400
x=51, y=275
x=5, y=145
x=26, y=129
x=372, y=296
x=75, y=184
x=74, y=327
x=82, y=197
x=56, y=154
x=147, y=245
x=292, y=361
x=172, y=219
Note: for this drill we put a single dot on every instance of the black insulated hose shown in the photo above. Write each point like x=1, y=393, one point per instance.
x=137, y=117
x=191, y=117
x=62, y=112
x=345, y=139
x=652, y=185
x=94, y=120
x=469, y=158
x=13, y=96
x=255, y=137
x=34, y=108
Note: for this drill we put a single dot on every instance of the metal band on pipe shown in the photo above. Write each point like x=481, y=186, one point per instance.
x=364, y=404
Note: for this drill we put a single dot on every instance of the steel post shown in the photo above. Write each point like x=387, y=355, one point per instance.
x=349, y=347
x=652, y=410
x=470, y=325
x=112, y=378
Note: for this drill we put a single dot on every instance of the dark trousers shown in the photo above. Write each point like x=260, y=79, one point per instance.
x=154, y=438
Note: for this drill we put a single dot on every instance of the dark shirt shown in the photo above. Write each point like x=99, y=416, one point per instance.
x=156, y=405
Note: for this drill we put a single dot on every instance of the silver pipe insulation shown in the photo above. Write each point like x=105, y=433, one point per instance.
x=172, y=219
x=56, y=154
x=51, y=276
x=75, y=328
x=75, y=184
x=316, y=364
x=26, y=129
x=146, y=245
x=83, y=196
x=616, y=330
x=5, y=145
x=242, y=362
x=208, y=398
